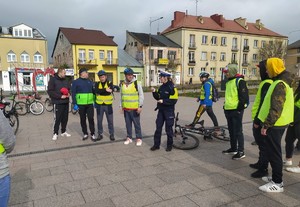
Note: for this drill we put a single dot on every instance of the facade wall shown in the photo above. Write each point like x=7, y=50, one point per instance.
x=292, y=62
x=63, y=54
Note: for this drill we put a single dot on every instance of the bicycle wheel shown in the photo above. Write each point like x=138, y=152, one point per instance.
x=48, y=105
x=21, y=108
x=36, y=107
x=222, y=135
x=13, y=121
x=185, y=141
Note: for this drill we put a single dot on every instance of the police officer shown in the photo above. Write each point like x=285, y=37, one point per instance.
x=104, y=99
x=166, y=97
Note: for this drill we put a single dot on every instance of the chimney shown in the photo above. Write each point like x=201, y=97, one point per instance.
x=81, y=28
x=178, y=16
x=242, y=22
x=258, y=24
x=219, y=19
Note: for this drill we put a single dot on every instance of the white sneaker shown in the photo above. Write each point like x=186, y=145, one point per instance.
x=267, y=179
x=272, y=187
x=287, y=163
x=293, y=169
x=128, y=140
x=54, y=137
x=139, y=142
x=65, y=134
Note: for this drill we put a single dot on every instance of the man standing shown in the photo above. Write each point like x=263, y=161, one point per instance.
x=58, y=90
x=276, y=114
x=104, y=100
x=83, y=99
x=132, y=98
x=236, y=100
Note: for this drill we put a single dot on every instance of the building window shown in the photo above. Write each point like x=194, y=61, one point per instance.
x=37, y=58
x=263, y=44
x=298, y=59
x=244, y=71
x=101, y=54
x=203, y=55
x=171, y=55
x=29, y=33
x=191, y=56
x=109, y=56
x=191, y=71
x=81, y=55
x=204, y=39
x=135, y=43
x=26, y=79
x=234, y=58
x=20, y=33
x=245, y=58
x=212, y=71
x=223, y=56
x=234, y=43
x=223, y=41
x=192, y=41
x=255, y=44
x=151, y=54
x=25, y=57
x=213, y=56
x=254, y=57
x=202, y=69
x=159, y=54
x=91, y=55
x=253, y=71
x=245, y=42
x=11, y=57
x=214, y=40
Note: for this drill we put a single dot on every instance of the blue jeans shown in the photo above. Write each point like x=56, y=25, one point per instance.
x=108, y=111
x=131, y=116
x=4, y=191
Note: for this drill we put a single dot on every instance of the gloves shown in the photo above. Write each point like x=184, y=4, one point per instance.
x=75, y=107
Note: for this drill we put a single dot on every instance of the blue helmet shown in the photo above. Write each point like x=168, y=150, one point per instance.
x=128, y=71
x=101, y=72
x=204, y=75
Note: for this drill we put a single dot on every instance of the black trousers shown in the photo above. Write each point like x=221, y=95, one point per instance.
x=167, y=117
x=61, y=116
x=261, y=143
x=273, y=152
x=235, y=127
x=293, y=133
x=210, y=113
x=87, y=111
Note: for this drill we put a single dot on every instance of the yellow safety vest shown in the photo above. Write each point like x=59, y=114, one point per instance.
x=257, y=100
x=175, y=96
x=104, y=99
x=2, y=149
x=130, y=96
x=202, y=92
x=231, y=95
x=287, y=114
x=297, y=103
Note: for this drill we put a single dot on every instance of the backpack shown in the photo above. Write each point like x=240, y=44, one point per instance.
x=237, y=85
x=215, y=93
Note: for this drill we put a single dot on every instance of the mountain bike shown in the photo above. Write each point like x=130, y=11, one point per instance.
x=32, y=105
x=48, y=105
x=185, y=139
x=11, y=114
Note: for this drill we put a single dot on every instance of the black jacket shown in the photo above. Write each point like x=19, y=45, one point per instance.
x=164, y=92
x=54, y=85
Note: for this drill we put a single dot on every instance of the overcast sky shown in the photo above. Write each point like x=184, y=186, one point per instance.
x=114, y=17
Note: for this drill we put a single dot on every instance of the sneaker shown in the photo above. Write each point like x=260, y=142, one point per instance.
x=65, y=134
x=100, y=136
x=287, y=163
x=112, y=137
x=267, y=179
x=128, y=141
x=54, y=137
x=254, y=166
x=238, y=156
x=229, y=152
x=85, y=137
x=293, y=169
x=169, y=148
x=93, y=137
x=139, y=142
x=153, y=148
x=260, y=173
x=272, y=187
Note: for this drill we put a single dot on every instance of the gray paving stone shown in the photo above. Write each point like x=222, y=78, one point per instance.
x=71, y=199
x=27, y=204
x=77, y=185
x=61, y=155
x=67, y=168
x=175, y=165
x=179, y=175
x=210, y=181
x=43, y=165
x=24, y=174
x=123, y=166
x=89, y=173
x=144, y=183
x=23, y=185
x=149, y=170
x=100, y=162
x=103, y=192
x=287, y=198
x=101, y=203
x=178, y=202
x=181, y=188
x=243, y=189
x=136, y=199
x=51, y=180
x=81, y=158
x=152, y=161
x=115, y=177
x=126, y=158
x=19, y=161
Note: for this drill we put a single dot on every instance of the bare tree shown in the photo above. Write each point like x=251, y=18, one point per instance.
x=273, y=49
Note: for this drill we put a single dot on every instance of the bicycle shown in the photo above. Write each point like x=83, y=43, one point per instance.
x=48, y=105
x=31, y=105
x=185, y=139
x=11, y=114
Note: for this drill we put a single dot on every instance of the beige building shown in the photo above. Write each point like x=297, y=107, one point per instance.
x=292, y=62
x=24, y=47
x=210, y=43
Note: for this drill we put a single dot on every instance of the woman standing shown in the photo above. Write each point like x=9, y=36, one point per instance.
x=166, y=97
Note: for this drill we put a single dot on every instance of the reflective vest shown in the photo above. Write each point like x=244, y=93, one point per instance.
x=287, y=114
x=297, y=103
x=104, y=99
x=2, y=149
x=84, y=98
x=130, y=96
x=202, y=91
x=257, y=100
x=175, y=96
x=231, y=95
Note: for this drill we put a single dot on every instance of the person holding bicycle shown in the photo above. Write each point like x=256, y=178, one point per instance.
x=166, y=97
x=206, y=102
x=58, y=91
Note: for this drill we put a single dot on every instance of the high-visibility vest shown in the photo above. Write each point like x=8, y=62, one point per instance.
x=231, y=95
x=202, y=91
x=104, y=99
x=2, y=149
x=175, y=95
x=257, y=100
x=287, y=115
x=130, y=96
x=297, y=103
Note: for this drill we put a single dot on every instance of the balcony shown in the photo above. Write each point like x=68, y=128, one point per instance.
x=191, y=63
x=233, y=62
x=245, y=63
x=192, y=46
x=246, y=49
x=161, y=61
x=83, y=62
x=234, y=48
x=111, y=61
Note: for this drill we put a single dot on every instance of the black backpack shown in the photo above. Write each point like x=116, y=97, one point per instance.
x=215, y=93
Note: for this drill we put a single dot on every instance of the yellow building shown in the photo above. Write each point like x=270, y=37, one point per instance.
x=83, y=48
x=292, y=62
x=210, y=43
x=22, y=46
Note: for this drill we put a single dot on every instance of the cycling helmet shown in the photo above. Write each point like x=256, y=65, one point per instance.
x=101, y=72
x=204, y=75
x=128, y=71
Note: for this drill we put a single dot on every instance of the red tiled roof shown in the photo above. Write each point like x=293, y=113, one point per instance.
x=181, y=20
x=87, y=37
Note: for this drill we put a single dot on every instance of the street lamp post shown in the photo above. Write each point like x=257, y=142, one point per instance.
x=151, y=21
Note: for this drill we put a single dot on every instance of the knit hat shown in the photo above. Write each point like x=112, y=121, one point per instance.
x=275, y=66
x=82, y=70
x=263, y=70
x=231, y=69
